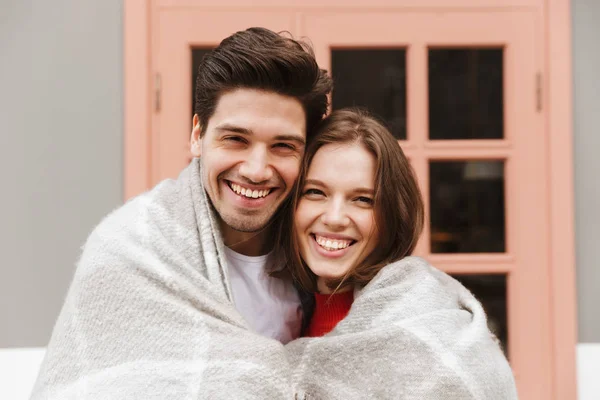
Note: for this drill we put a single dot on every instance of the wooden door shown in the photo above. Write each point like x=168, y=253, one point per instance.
x=460, y=88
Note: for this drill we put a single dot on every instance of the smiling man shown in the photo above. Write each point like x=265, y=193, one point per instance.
x=257, y=96
x=250, y=152
x=175, y=287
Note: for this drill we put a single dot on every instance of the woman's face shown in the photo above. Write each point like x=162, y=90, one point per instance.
x=335, y=221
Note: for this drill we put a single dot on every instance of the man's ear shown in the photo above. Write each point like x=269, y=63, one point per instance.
x=195, y=139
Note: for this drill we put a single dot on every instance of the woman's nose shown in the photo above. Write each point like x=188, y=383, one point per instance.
x=335, y=215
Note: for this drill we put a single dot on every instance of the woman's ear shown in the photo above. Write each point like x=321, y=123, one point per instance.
x=195, y=138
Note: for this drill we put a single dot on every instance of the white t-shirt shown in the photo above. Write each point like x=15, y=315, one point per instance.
x=270, y=305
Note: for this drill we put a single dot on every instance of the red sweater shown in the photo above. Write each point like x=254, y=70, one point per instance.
x=329, y=310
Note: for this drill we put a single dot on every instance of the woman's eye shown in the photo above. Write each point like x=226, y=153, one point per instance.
x=366, y=200
x=313, y=192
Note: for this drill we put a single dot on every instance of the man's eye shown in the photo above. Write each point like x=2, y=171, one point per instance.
x=285, y=146
x=237, y=139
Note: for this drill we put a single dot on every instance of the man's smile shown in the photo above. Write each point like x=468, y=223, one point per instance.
x=249, y=192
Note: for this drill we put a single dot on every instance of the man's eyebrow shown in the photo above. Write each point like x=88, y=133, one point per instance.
x=233, y=128
x=226, y=127
x=293, y=138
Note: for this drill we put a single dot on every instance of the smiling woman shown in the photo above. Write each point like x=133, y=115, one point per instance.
x=356, y=218
x=357, y=205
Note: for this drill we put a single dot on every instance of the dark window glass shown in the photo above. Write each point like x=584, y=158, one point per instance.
x=466, y=94
x=197, y=56
x=467, y=206
x=374, y=79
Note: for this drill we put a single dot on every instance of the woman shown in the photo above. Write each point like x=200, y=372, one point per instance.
x=358, y=208
x=393, y=326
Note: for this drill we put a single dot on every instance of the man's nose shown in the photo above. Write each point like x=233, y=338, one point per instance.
x=256, y=167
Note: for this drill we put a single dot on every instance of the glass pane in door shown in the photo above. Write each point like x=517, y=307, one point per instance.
x=374, y=79
x=467, y=206
x=197, y=56
x=466, y=96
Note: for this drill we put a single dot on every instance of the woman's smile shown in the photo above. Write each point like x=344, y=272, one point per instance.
x=330, y=248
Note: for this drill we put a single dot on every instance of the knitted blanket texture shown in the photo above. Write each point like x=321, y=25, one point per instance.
x=150, y=315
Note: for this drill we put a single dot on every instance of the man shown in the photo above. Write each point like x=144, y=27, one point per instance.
x=158, y=305
x=257, y=95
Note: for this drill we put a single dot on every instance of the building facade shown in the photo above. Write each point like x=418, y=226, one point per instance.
x=493, y=101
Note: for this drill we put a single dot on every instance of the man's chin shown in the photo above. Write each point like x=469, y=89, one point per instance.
x=248, y=229
x=246, y=225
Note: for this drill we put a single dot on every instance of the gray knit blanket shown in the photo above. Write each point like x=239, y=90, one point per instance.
x=149, y=315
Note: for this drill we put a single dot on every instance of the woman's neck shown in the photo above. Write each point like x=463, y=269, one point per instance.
x=324, y=289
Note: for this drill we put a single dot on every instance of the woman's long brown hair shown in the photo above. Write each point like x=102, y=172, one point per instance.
x=398, y=205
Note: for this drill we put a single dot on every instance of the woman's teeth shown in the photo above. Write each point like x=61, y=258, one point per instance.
x=254, y=194
x=332, y=244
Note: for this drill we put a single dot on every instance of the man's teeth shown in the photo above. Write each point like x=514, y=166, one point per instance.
x=254, y=194
x=332, y=244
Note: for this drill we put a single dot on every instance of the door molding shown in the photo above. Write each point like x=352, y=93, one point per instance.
x=559, y=128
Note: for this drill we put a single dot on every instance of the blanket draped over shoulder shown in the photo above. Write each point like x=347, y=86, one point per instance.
x=149, y=315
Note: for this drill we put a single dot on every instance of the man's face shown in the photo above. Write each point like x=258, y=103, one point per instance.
x=251, y=153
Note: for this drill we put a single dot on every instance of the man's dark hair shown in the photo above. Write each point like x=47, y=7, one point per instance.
x=258, y=58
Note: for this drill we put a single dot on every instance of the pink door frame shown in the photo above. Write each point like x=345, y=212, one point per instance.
x=555, y=36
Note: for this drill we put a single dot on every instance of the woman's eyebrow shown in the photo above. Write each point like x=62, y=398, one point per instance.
x=360, y=190
x=315, y=182
x=365, y=191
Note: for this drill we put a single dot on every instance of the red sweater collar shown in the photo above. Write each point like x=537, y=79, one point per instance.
x=329, y=310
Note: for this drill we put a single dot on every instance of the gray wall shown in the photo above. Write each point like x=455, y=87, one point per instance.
x=61, y=150
x=586, y=74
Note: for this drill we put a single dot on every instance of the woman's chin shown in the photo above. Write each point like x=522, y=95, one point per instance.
x=329, y=277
